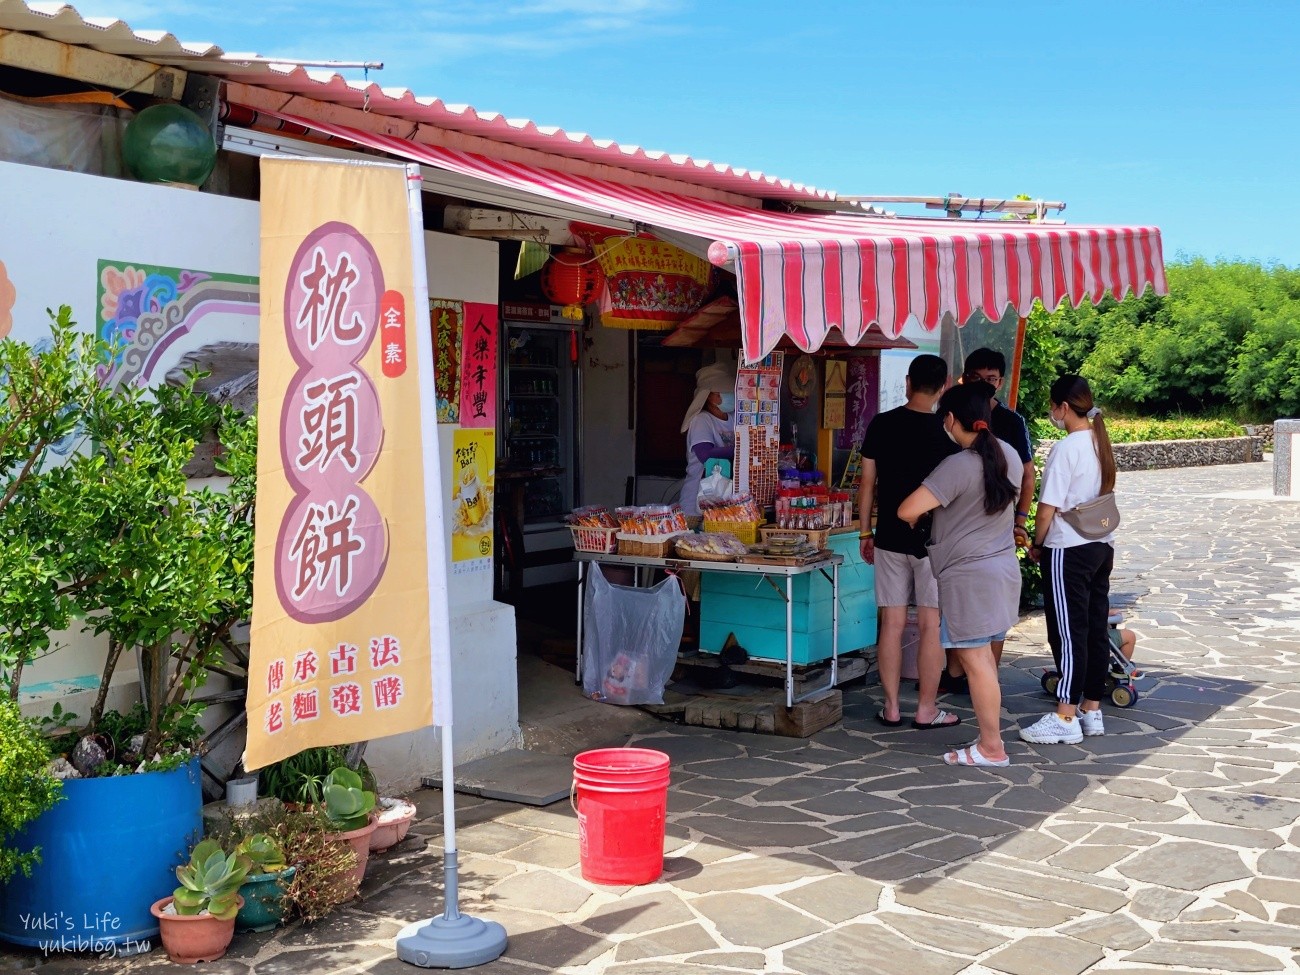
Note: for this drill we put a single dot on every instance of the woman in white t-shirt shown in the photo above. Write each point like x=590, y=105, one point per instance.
x=1076, y=570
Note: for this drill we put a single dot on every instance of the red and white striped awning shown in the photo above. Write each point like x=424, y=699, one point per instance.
x=801, y=274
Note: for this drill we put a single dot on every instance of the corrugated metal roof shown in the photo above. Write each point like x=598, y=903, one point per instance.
x=62, y=22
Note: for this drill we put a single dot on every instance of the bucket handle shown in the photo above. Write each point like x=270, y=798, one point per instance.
x=573, y=792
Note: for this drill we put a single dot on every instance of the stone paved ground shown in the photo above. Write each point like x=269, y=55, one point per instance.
x=1169, y=845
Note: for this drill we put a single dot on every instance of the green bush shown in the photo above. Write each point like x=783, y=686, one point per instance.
x=26, y=787
x=1147, y=429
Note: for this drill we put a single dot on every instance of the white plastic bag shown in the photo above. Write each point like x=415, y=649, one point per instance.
x=629, y=639
x=715, y=487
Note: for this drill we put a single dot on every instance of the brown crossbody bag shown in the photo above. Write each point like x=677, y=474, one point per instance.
x=1094, y=519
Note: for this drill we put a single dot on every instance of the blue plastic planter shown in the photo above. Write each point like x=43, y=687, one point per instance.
x=108, y=851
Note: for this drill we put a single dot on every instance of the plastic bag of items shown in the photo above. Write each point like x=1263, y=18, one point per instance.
x=630, y=638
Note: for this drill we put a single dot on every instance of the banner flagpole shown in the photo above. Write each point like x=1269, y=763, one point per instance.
x=453, y=940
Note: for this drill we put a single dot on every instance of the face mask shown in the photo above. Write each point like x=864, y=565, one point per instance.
x=1058, y=422
x=948, y=431
x=728, y=402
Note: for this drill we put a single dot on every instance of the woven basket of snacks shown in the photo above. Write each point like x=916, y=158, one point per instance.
x=593, y=529
x=602, y=540
x=745, y=531
x=647, y=546
x=711, y=547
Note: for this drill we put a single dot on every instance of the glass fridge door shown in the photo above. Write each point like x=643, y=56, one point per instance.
x=539, y=409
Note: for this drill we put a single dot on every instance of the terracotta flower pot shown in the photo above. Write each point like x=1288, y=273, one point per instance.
x=190, y=938
x=392, y=821
x=359, y=840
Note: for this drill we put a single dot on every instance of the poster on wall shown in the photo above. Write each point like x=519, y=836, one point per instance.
x=473, y=473
x=446, y=317
x=837, y=384
x=860, y=400
x=478, y=378
x=342, y=642
x=758, y=427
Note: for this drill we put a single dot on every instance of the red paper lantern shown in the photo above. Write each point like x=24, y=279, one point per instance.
x=572, y=278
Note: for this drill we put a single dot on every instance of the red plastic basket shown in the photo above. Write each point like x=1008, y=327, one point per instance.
x=602, y=540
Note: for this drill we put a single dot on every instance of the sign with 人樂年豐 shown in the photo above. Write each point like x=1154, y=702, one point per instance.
x=478, y=365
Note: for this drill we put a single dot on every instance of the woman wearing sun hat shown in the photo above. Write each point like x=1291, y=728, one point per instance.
x=709, y=426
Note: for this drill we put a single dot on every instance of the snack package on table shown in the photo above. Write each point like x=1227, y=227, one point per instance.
x=711, y=546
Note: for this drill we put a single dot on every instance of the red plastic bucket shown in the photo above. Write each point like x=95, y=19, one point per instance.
x=621, y=797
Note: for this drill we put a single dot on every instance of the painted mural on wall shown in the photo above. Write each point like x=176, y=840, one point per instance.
x=147, y=311
x=164, y=321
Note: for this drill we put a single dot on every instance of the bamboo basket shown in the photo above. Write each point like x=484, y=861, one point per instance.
x=646, y=546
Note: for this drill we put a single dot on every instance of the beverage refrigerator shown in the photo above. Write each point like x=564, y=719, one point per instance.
x=538, y=442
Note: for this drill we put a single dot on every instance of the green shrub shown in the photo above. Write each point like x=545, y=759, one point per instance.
x=26, y=787
x=1146, y=429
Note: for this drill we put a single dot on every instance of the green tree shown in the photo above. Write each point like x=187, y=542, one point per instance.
x=109, y=531
x=1224, y=338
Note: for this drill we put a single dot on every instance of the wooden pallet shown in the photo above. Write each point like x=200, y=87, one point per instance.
x=763, y=712
x=806, y=678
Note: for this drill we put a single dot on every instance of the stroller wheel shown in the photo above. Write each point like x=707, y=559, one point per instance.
x=1124, y=696
x=1050, y=680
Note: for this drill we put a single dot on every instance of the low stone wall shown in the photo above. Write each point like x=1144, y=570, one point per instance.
x=1262, y=430
x=1188, y=453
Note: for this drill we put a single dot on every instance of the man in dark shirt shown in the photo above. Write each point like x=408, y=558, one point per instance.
x=902, y=446
x=990, y=366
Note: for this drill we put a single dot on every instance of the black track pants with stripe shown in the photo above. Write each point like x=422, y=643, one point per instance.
x=1076, y=583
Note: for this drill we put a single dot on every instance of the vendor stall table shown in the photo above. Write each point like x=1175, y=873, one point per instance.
x=828, y=568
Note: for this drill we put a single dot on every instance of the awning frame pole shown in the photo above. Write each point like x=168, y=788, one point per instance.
x=1013, y=393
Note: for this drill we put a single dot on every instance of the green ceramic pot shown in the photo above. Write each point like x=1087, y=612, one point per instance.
x=263, y=909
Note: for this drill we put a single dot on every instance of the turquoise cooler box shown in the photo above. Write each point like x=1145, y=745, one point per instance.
x=748, y=606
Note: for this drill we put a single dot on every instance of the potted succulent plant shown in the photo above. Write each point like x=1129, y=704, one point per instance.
x=198, y=920
x=347, y=807
x=263, y=888
x=392, y=821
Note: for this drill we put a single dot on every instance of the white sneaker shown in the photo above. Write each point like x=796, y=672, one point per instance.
x=1092, y=722
x=1052, y=729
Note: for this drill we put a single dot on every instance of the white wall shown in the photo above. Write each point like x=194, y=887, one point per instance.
x=485, y=684
x=608, y=444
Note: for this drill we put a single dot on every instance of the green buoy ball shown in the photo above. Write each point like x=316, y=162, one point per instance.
x=167, y=143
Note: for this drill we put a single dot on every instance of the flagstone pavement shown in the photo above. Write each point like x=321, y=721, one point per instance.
x=1169, y=845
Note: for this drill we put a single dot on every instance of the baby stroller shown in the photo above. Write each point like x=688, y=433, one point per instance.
x=1121, y=678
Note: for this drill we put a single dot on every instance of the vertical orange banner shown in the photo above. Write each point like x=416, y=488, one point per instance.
x=341, y=623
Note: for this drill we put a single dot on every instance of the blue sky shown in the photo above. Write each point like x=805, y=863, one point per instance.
x=1182, y=114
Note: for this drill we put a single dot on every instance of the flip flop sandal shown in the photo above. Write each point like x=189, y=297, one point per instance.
x=881, y=719
x=971, y=755
x=941, y=720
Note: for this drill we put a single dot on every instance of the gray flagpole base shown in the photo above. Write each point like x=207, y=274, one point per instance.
x=461, y=943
